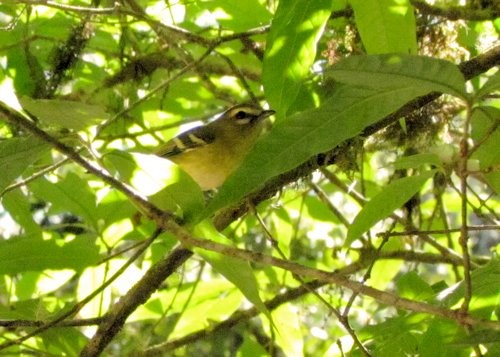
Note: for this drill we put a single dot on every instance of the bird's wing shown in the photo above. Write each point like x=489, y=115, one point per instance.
x=189, y=140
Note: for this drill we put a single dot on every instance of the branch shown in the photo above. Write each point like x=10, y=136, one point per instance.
x=470, y=69
x=137, y=295
x=78, y=306
x=19, y=120
x=143, y=289
x=71, y=8
x=236, y=318
x=334, y=278
x=457, y=12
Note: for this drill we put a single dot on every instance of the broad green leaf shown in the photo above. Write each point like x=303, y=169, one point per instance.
x=19, y=71
x=411, y=286
x=386, y=26
x=201, y=313
x=493, y=179
x=168, y=186
x=115, y=206
x=235, y=270
x=480, y=336
x=395, y=70
x=64, y=341
x=19, y=208
x=291, y=142
x=385, y=271
x=291, y=49
x=239, y=15
x=486, y=294
x=16, y=154
x=486, y=134
x=63, y=113
x=198, y=293
x=435, y=341
x=417, y=160
x=28, y=253
x=71, y=194
x=392, y=337
x=252, y=348
x=22, y=309
x=289, y=337
x=393, y=196
x=491, y=85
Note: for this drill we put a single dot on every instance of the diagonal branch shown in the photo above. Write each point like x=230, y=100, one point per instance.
x=458, y=12
x=143, y=289
x=470, y=69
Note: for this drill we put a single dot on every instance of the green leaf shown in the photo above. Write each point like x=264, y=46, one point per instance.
x=386, y=26
x=16, y=154
x=19, y=209
x=491, y=85
x=28, y=253
x=392, y=337
x=291, y=49
x=165, y=183
x=291, y=142
x=485, y=132
x=64, y=113
x=398, y=70
x=17, y=65
x=235, y=270
x=250, y=347
x=417, y=160
x=478, y=337
x=411, y=286
x=435, y=341
x=71, y=194
x=486, y=135
x=239, y=15
x=289, y=337
x=486, y=295
x=64, y=341
x=393, y=196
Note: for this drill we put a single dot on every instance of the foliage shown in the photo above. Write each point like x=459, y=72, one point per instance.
x=363, y=222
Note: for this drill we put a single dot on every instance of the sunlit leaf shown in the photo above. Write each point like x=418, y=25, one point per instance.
x=418, y=160
x=398, y=70
x=167, y=185
x=19, y=209
x=29, y=253
x=239, y=15
x=63, y=113
x=486, y=295
x=71, y=194
x=289, y=336
x=235, y=270
x=386, y=26
x=291, y=49
x=491, y=85
x=486, y=135
x=392, y=197
x=16, y=154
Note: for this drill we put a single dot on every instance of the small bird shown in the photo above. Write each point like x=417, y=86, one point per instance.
x=211, y=152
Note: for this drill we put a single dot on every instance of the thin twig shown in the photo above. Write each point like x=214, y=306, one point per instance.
x=439, y=231
x=464, y=231
x=70, y=8
x=78, y=306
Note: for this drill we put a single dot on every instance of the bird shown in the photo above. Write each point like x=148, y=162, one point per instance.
x=210, y=153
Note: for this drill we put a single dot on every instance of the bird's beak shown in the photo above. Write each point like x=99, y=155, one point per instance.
x=266, y=113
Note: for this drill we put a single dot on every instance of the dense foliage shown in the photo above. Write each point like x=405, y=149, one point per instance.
x=364, y=221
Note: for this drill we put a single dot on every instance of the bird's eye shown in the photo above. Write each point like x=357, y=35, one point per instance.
x=240, y=115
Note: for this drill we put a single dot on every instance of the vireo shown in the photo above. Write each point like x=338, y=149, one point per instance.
x=211, y=152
